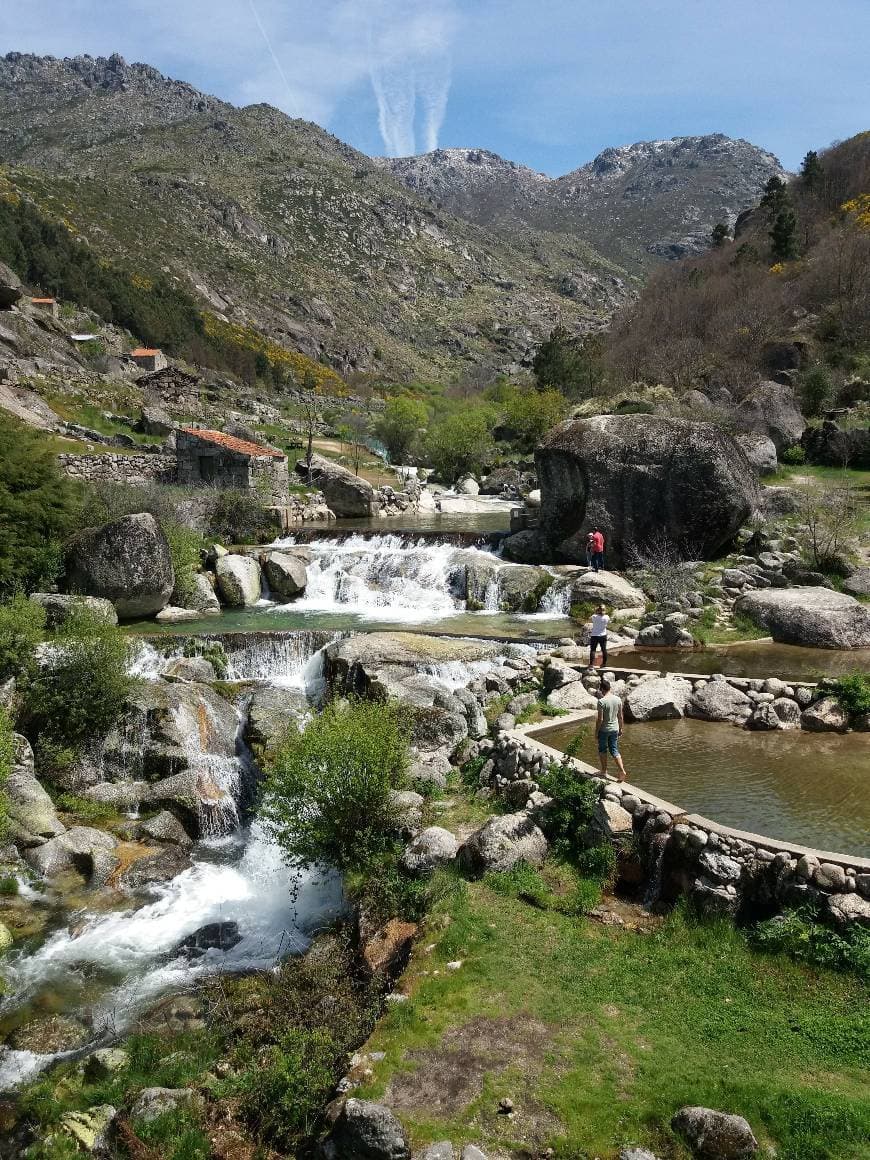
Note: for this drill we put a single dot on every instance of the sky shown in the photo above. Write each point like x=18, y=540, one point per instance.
x=549, y=83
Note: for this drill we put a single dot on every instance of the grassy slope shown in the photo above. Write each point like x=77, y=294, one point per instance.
x=600, y=1034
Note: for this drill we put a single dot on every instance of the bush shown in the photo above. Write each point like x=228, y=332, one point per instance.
x=799, y=934
x=328, y=797
x=399, y=427
x=816, y=390
x=21, y=628
x=184, y=547
x=853, y=693
x=460, y=443
x=574, y=799
x=236, y=517
x=530, y=414
x=794, y=456
x=37, y=509
x=79, y=689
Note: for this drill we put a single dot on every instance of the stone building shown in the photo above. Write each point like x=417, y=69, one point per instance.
x=45, y=306
x=214, y=459
x=171, y=385
x=148, y=358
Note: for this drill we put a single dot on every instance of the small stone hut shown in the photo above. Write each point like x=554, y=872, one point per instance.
x=148, y=358
x=214, y=459
x=45, y=306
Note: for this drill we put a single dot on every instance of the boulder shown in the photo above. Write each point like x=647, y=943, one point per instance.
x=760, y=450
x=719, y=701
x=836, y=446
x=238, y=580
x=657, y=699
x=407, y=806
x=607, y=588
x=770, y=409
x=388, y=948
x=468, y=486
x=106, y=1062
x=345, y=493
x=126, y=561
x=32, y=816
x=49, y=1034
x=271, y=712
x=165, y=827
x=59, y=608
x=78, y=848
x=433, y=847
x=712, y=1135
x=846, y=909
x=214, y=936
x=502, y=842
x=10, y=287
x=366, y=1131
x=202, y=596
x=634, y=475
x=610, y=819
x=635, y=1152
x=572, y=697
x=858, y=583
x=812, y=617
x=285, y=575
x=825, y=716
x=521, y=587
x=155, y=421
x=173, y=614
x=157, y=1101
x=89, y=1130
x=189, y=668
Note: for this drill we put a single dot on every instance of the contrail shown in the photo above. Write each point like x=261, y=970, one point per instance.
x=272, y=53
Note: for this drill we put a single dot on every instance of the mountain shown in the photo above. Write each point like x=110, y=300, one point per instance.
x=277, y=226
x=635, y=204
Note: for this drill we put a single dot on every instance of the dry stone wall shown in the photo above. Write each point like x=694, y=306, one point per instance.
x=135, y=469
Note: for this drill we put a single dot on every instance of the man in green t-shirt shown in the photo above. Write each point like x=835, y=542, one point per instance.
x=608, y=727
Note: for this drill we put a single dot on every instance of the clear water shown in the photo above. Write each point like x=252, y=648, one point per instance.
x=809, y=788
x=754, y=659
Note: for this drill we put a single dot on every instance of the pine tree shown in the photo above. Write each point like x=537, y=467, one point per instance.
x=783, y=235
x=776, y=197
x=811, y=170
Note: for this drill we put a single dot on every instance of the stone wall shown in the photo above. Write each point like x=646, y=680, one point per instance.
x=135, y=469
x=722, y=871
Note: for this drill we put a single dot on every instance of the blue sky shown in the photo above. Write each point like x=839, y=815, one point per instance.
x=546, y=82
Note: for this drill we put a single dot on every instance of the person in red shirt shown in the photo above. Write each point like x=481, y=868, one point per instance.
x=597, y=550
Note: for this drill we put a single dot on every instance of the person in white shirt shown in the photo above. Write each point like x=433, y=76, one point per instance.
x=600, y=621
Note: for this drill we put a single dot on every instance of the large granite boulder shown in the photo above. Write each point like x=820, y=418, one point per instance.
x=639, y=478
x=365, y=1130
x=345, y=493
x=502, y=842
x=607, y=588
x=77, y=848
x=32, y=817
x=713, y=1135
x=813, y=617
x=238, y=580
x=285, y=574
x=836, y=446
x=719, y=701
x=657, y=699
x=126, y=561
x=770, y=409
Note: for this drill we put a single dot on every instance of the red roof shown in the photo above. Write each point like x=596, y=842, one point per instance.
x=231, y=443
x=143, y=351
x=42, y=301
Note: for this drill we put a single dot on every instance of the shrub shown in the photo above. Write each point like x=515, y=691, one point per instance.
x=184, y=546
x=80, y=688
x=530, y=414
x=237, y=517
x=853, y=693
x=37, y=509
x=799, y=934
x=794, y=456
x=570, y=813
x=399, y=427
x=21, y=628
x=328, y=797
x=460, y=443
x=816, y=389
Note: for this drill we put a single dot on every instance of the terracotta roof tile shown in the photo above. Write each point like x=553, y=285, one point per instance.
x=42, y=301
x=143, y=350
x=242, y=446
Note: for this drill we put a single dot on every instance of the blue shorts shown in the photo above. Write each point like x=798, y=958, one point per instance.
x=608, y=739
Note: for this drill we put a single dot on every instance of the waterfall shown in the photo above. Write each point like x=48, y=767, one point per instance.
x=556, y=601
x=279, y=658
x=385, y=577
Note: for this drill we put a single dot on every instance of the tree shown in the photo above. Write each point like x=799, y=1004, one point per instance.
x=460, y=443
x=567, y=364
x=783, y=236
x=311, y=409
x=812, y=173
x=329, y=795
x=817, y=388
x=38, y=506
x=530, y=414
x=775, y=197
x=831, y=514
x=719, y=235
x=398, y=428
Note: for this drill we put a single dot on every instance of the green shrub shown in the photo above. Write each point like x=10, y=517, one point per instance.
x=853, y=693
x=22, y=623
x=598, y=863
x=798, y=934
x=460, y=443
x=816, y=389
x=184, y=547
x=38, y=508
x=794, y=456
x=84, y=808
x=212, y=651
x=176, y=1135
x=328, y=797
x=79, y=690
x=400, y=426
x=237, y=517
x=568, y=816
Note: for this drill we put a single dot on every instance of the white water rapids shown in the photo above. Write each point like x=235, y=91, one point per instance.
x=133, y=952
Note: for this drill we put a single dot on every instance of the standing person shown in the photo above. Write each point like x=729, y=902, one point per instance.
x=590, y=549
x=608, y=727
x=597, y=550
x=598, y=639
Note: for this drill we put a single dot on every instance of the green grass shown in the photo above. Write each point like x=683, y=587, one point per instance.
x=707, y=631
x=609, y=1032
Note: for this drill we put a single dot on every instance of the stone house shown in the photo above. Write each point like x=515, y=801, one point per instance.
x=45, y=306
x=148, y=358
x=171, y=385
x=213, y=459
